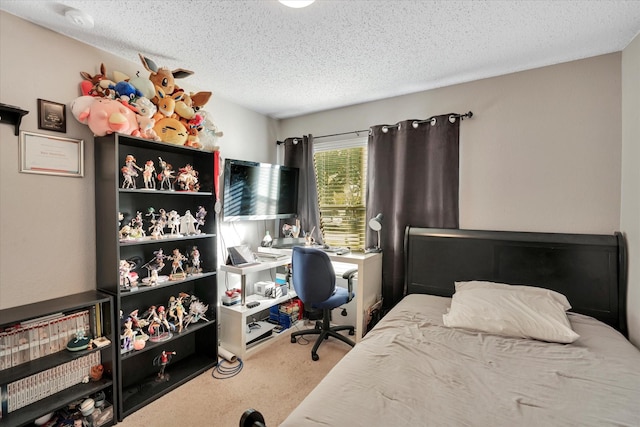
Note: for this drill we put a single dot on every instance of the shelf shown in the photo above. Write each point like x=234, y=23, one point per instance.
x=165, y=192
x=42, y=364
x=166, y=284
x=25, y=416
x=12, y=115
x=148, y=240
x=66, y=304
x=196, y=347
x=265, y=303
x=148, y=390
x=149, y=346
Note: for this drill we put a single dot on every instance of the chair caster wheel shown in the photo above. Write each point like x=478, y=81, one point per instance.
x=352, y=332
x=315, y=356
x=293, y=340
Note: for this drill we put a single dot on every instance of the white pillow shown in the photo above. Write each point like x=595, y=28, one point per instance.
x=510, y=312
x=474, y=284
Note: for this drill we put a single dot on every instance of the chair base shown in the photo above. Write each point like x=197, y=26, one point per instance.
x=324, y=331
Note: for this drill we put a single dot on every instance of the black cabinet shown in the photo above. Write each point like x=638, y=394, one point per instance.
x=121, y=238
x=39, y=375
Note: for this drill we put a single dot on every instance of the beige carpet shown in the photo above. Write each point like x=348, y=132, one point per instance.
x=274, y=379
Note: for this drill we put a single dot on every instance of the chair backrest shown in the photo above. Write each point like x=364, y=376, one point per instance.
x=312, y=273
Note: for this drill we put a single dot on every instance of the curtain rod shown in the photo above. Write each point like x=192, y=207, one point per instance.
x=385, y=128
x=357, y=132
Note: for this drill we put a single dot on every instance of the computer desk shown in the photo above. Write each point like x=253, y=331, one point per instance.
x=368, y=285
x=367, y=288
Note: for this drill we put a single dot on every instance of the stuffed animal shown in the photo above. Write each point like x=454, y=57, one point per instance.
x=208, y=132
x=96, y=85
x=105, y=116
x=144, y=85
x=145, y=111
x=188, y=107
x=162, y=77
x=125, y=91
x=171, y=130
x=166, y=103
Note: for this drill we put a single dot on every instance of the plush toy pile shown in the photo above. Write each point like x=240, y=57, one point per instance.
x=152, y=108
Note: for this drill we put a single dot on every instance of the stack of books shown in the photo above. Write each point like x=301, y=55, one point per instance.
x=40, y=337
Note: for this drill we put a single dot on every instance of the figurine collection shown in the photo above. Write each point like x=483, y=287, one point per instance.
x=166, y=178
x=162, y=224
x=179, y=270
x=159, y=323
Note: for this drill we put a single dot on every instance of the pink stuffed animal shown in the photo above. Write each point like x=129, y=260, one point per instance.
x=105, y=116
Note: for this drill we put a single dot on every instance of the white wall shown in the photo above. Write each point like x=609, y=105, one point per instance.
x=542, y=152
x=630, y=208
x=47, y=223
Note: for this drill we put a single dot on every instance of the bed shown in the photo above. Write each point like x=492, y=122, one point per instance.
x=411, y=369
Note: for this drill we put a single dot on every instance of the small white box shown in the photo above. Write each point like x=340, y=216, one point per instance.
x=264, y=289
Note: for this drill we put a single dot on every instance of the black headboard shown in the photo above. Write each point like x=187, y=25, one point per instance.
x=590, y=269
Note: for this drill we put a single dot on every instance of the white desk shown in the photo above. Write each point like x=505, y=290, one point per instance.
x=368, y=286
x=368, y=289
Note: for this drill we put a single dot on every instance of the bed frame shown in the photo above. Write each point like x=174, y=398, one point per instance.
x=590, y=269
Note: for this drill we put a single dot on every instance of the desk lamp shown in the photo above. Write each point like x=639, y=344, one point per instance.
x=375, y=224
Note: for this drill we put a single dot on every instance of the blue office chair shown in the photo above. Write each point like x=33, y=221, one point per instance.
x=314, y=280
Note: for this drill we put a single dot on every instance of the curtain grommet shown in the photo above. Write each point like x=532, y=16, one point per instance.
x=433, y=121
x=452, y=119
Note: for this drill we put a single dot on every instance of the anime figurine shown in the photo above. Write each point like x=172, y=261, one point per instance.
x=163, y=360
x=195, y=261
x=149, y=174
x=197, y=311
x=130, y=172
x=157, y=227
x=128, y=279
x=166, y=175
x=127, y=336
x=154, y=266
x=138, y=325
x=200, y=218
x=187, y=224
x=188, y=179
x=176, y=310
x=160, y=329
x=176, y=264
x=136, y=230
x=173, y=222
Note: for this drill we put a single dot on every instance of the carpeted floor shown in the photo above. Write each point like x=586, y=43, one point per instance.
x=274, y=379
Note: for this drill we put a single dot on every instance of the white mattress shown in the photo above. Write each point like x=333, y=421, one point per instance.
x=410, y=370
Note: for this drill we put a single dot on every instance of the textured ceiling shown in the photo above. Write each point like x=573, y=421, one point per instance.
x=286, y=62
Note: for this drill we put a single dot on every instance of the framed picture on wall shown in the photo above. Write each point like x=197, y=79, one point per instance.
x=51, y=155
x=52, y=116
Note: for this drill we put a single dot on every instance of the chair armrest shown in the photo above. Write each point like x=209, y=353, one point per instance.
x=349, y=275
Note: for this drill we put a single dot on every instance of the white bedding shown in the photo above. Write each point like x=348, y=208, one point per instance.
x=411, y=370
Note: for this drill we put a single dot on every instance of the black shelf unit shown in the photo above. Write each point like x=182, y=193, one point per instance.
x=68, y=304
x=196, y=346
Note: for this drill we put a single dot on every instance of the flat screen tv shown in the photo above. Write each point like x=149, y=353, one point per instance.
x=254, y=191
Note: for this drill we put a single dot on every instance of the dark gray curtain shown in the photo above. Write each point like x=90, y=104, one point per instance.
x=412, y=180
x=300, y=155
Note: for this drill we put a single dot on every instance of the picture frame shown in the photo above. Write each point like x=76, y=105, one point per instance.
x=51, y=155
x=52, y=116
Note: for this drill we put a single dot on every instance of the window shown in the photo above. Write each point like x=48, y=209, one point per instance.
x=341, y=175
